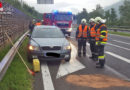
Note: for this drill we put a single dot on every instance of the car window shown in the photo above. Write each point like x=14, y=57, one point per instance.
x=47, y=33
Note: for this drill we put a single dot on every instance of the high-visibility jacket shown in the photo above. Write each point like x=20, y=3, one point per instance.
x=37, y=24
x=93, y=31
x=83, y=32
x=101, y=35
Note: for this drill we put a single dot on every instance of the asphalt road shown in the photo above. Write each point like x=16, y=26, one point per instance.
x=81, y=74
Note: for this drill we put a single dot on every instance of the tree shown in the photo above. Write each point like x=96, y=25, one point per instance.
x=81, y=15
x=113, y=17
x=125, y=13
x=97, y=12
x=107, y=16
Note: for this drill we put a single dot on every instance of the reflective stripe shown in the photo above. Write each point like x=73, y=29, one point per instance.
x=104, y=31
x=96, y=43
x=103, y=43
x=101, y=57
x=102, y=36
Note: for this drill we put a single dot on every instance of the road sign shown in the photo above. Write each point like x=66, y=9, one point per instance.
x=45, y=1
x=1, y=7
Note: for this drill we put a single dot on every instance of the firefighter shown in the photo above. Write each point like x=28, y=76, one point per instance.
x=92, y=35
x=101, y=40
x=81, y=37
x=31, y=26
x=38, y=23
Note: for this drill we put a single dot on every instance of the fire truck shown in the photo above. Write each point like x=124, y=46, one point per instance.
x=61, y=19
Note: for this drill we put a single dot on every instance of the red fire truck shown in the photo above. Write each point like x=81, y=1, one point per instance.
x=61, y=19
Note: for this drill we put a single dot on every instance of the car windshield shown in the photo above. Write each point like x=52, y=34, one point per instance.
x=47, y=33
x=61, y=17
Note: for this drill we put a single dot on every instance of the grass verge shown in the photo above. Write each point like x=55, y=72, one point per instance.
x=17, y=77
x=120, y=33
x=3, y=51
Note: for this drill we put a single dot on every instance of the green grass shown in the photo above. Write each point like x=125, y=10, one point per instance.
x=17, y=77
x=120, y=33
x=3, y=51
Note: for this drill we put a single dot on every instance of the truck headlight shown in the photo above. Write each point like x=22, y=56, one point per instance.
x=31, y=48
x=67, y=47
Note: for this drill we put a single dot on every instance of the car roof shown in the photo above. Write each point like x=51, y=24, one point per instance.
x=45, y=26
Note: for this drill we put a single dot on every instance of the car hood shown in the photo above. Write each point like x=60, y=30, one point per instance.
x=50, y=41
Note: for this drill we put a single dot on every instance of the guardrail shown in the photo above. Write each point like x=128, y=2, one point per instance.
x=4, y=64
x=119, y=30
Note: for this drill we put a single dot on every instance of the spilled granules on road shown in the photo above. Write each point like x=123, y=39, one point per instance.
x=96, y=81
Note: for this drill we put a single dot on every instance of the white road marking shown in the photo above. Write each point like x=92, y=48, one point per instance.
x=111, y=69
x=119, y=46
x=121, y=42
x=120, y=36
x=47, y=81
x=117, y=73
x=118, y=56
x=70, y=67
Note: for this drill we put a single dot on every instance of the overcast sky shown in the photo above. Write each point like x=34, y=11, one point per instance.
x=72, y=5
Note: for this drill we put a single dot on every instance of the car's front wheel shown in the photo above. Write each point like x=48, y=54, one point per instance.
x=68, y=59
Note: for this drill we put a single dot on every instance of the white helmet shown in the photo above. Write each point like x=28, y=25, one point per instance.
x=91, y=20
x=84, y=21
x=34, y=20
x=99, y=20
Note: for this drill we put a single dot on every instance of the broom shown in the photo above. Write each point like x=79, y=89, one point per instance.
x=29, y=70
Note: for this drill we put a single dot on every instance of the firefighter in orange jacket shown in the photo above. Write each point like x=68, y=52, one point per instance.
x=38, y=23
x=92, y=36
x=101, y=40
x=82, y=36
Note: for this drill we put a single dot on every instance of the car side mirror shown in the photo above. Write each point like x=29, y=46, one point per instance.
x=28, y=35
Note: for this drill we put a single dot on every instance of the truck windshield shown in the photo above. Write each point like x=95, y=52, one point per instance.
x=63, y=17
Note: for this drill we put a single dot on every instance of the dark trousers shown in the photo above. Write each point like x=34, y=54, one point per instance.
x=82, y=46
x=92, y=48
x=100, y=54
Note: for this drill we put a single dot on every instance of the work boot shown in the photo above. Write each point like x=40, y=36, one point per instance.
x=100, y=64
x=79, y=54
x=91, y=57
x=95, y=59
x=84, y=54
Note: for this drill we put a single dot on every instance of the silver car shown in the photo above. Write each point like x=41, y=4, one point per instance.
x=48, y=43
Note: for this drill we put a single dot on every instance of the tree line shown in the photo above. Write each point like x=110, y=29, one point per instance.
x=110, y=15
